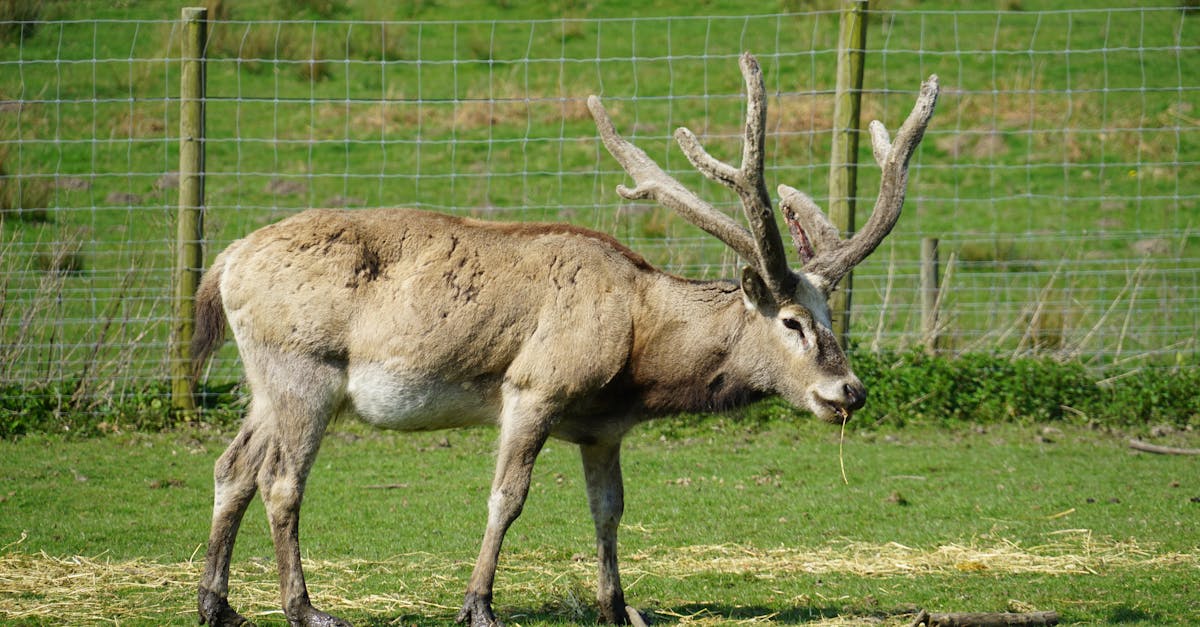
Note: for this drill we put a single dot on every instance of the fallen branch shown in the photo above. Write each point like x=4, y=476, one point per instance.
x=1146, y=447
x=635, y=617
x=984, y=619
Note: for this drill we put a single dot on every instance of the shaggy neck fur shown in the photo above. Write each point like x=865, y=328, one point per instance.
x=691, y=363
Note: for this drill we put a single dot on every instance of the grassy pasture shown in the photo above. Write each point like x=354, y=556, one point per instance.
x=1062, y=139
x=726, y=521
x=1062, y=142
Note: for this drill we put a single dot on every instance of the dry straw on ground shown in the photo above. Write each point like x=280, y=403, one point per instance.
x=1070, y=552
x=77, y=589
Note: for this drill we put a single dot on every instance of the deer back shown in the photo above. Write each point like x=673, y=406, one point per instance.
x=437, y=296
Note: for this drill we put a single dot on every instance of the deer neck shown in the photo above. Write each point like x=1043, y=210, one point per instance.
x=686, y=353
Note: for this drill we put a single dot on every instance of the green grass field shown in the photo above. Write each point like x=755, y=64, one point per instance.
x=1057, y=169
x=725, y=521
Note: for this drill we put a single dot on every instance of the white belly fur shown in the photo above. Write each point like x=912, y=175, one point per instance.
x=391, y=399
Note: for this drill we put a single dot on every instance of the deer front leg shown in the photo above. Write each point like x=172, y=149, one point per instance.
x=524, y=426
x=606, y=497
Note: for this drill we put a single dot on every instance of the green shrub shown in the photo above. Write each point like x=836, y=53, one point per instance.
x=58, y=408
x=981, y=388
x=904, y=388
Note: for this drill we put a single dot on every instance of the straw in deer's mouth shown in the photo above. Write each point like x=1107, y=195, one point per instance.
x=842, y=440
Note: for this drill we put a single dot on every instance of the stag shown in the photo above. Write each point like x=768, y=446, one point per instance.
x=412, y=320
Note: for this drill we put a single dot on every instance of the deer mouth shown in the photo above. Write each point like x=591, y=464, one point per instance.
x=831, y=411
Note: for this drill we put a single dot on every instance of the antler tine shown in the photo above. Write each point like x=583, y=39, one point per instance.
x=747, y=181
x=653, y=183
x=834, y=257
x=812, y=231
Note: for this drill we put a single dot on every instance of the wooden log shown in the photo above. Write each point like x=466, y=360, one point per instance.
x=1146, y=447
x=635, y=617
x=984, y=619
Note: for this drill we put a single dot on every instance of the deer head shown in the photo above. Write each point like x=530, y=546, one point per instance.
x=792, y=303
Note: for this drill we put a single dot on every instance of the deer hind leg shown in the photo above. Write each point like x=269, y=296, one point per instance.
x=294, y=400
x=606, y=497
x=524, y=427
x=234, y=488
x=308, y=393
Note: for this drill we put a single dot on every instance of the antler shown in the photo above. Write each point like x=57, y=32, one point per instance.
x=761, y=246
x=653, y=183
x=747, y=181
x=825, y=256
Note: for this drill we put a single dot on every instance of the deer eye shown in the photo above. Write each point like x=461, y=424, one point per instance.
x=794, y=325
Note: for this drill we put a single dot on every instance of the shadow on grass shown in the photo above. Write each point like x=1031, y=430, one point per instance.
x=796, y=615
x=1125, y=614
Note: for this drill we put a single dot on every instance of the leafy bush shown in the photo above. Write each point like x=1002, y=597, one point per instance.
x=908, y=387
x=904, y=388
x=59, y=409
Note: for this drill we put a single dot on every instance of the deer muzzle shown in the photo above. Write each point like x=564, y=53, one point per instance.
x=836, y=402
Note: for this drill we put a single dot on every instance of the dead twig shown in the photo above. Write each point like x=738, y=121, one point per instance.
x=1146, y=447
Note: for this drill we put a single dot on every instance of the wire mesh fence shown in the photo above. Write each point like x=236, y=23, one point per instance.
x=1060, y=172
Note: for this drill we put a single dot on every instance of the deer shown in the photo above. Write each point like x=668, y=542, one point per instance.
x=413, y=320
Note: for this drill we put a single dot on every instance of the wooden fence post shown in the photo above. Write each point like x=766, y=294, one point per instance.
x=929, y=293
x=189, y=254
x=843, y=160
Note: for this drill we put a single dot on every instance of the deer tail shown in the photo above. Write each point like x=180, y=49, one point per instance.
x=210, y=317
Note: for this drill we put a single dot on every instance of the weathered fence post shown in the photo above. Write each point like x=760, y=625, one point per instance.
x=929, y=293
x=189, y=255
x=843, y=161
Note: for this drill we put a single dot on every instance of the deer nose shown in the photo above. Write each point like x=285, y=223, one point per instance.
x=856, y=395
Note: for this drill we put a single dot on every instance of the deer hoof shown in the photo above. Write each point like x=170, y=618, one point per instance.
x=477, y=612
x=312, y=617
x=215, y=611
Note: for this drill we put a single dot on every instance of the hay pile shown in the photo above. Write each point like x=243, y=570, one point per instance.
x=1070, y=552
x=78, y=589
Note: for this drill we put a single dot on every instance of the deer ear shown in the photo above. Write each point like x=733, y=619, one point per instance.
x=755, y=291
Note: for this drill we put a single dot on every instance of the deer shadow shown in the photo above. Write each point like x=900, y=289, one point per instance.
x=794, y=615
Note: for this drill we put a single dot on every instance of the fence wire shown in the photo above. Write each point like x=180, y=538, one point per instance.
x=1059, y=174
